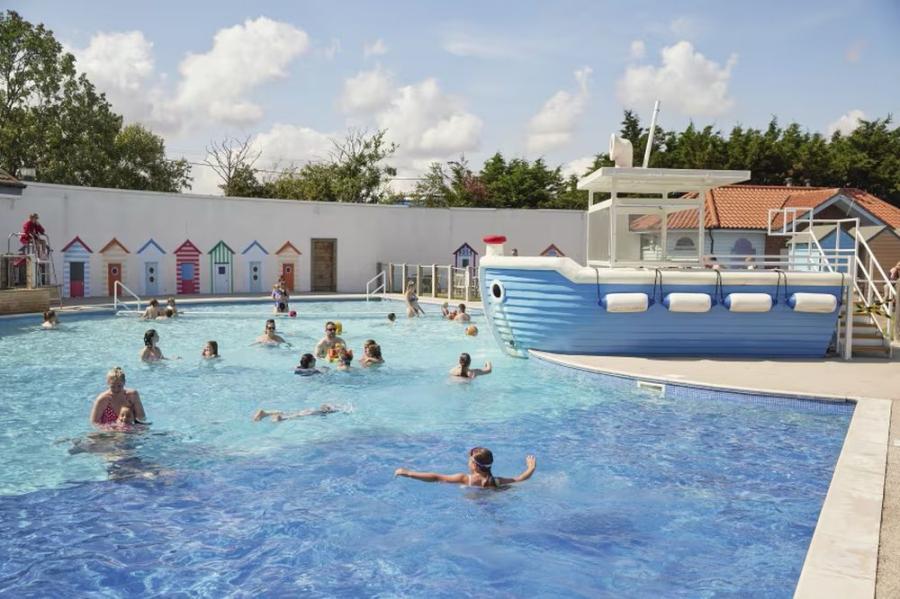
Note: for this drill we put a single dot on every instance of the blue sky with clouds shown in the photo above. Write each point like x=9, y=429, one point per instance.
x=527, y=78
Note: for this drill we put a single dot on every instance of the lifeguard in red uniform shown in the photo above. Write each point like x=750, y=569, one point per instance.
x=32, y=236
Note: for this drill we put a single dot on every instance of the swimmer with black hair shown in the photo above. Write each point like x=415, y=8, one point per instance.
x=151, y=353
x=480, y=462
x=392, y=317
x=152, y=311
x=307, y=366
x=463, y=368
x=279, y=416
x=50, y=321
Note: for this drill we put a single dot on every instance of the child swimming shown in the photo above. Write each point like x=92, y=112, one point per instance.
x=371, y=354
x=480, y=462
x=307, y=366
x=211, y=350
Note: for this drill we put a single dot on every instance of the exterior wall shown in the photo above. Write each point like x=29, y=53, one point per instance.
x=366, y=234
x=24, y=301
x=886, y=247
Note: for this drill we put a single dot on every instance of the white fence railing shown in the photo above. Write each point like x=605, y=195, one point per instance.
x=433, y=280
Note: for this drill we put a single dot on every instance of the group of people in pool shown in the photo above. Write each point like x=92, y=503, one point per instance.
x=121, y=408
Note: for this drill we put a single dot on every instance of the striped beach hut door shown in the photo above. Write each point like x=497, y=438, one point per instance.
x=187, y=268
x=220, y=260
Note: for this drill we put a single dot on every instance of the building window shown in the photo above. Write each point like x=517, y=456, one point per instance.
x=743, y=247
x=685, y=243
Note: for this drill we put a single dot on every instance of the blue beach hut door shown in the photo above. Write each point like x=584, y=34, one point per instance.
x=151, y=278
x=256, y=277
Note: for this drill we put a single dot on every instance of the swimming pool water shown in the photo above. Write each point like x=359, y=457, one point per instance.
x=634, y=495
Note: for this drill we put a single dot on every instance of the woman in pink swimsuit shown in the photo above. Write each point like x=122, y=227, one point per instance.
x=109, y=404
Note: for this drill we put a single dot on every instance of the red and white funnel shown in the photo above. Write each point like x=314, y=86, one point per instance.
x=494, y=245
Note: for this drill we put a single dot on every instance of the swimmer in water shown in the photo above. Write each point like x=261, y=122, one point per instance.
x=463, y=368
x=170, y=304
x=210, y=351
x=413, y=308
x=166, y=314
x=108, y=405
x=392, y=317
x=152, y=311
x=345, y=358
x=307, y=366
x=278, y=416
x=461, y=316
x=50, y=321
x=126, y=418
x=480, y=462
x=329, y=341
x=371, y=354
x=269, y=337
x=151, y=353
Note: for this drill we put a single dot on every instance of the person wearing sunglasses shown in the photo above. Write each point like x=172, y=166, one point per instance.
x=480, y=462
x=329, y=341
x=269, y=337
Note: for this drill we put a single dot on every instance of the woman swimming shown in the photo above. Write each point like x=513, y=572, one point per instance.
x=463, y=368
x=108, y=405
x=151, y=353
x=480, y=462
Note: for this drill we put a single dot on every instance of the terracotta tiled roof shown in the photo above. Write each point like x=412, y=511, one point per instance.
x=8, y=180
x=747, y=206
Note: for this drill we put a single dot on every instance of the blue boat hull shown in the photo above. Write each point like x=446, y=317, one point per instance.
x=545, y=310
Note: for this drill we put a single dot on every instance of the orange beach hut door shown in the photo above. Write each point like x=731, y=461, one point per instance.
x=287, y=271
x=113, y=274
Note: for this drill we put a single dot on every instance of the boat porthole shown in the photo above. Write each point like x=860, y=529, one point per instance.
x=498, y=293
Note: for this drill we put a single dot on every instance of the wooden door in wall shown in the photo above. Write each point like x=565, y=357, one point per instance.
x=287, y=273
x=324, y=265
x=113, y=274
x=76, y=279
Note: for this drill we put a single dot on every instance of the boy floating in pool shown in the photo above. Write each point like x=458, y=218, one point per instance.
x=278, y=416
x=480, y=461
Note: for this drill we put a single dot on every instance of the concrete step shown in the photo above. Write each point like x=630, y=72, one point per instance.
x=874, y=351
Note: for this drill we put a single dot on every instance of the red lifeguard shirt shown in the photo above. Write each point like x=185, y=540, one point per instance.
x=30, y=230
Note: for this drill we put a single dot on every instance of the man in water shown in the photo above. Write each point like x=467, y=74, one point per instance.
x=329, y=340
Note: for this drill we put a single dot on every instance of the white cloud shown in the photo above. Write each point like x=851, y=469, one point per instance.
x=684, y=27
x=376, y=48
x=637, y=49
x=467, y=44
x=244, y=56
x=426, y=123
x=686, y=81
x=284, y=145
x=577, y=167
x=554, y=124
x=846, y=123
x=367, y=91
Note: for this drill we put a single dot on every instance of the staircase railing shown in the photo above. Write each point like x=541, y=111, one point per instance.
x=879, y=306
x=119, y=285
x=376, y=285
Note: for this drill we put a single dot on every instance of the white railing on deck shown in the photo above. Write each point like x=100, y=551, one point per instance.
x=434, y=280
x=376, y=285
x=116, y=301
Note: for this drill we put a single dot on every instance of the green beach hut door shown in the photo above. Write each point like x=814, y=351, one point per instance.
x=220, y=258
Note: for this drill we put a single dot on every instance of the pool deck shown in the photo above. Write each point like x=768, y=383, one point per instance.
x=856, y=545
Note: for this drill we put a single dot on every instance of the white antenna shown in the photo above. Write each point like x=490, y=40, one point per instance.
x=650, y=137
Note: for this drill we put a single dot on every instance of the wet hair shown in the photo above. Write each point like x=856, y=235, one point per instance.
x=392, y=317
x=374, y=350
x=214, y=346
x=127, y=413
x=369, y=342
x=272, y=322
x=49, y=315
x=483, y=460
x=462, y=307
x=170, y=312
x=154, y=303
x=307, y=361
x=332, y=323
x=465, y=360
x=171, y=300
x=148, y=337
x=116, y=374
x=346, y=356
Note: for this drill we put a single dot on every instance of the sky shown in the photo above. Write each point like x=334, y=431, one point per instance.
x=529, y=79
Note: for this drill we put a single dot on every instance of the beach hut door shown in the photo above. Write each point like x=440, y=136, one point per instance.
x=151, y=278
x=113, y=274
x=255, y=277
x=287, y=271
x=76, y=279
x=222, y=278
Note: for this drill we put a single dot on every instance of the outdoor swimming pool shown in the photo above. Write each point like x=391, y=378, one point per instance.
x=634, y=494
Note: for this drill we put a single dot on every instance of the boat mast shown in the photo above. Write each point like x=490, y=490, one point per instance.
x=650, y=137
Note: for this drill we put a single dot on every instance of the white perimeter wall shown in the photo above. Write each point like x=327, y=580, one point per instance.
x=366, y=234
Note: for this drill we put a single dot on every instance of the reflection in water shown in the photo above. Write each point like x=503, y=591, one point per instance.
x=120, y=450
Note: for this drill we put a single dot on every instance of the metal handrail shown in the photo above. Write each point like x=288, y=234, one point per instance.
x=379, y=288
x=116, y=286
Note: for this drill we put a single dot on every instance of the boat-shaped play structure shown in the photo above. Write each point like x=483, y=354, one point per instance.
x=644, y=291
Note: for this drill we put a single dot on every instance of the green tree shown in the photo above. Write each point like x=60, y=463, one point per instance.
x=54, y=120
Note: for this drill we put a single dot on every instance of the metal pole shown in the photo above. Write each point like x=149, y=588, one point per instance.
x=403, y=274
x=650, y=136
x=895, y=329
x=434, y=281
x=468, y=280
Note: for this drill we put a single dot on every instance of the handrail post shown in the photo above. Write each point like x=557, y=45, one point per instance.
x=449, y=282
x=468, y=280
x=418, y=280
x=403, y=275
x=895, y=329
x=434, y=281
